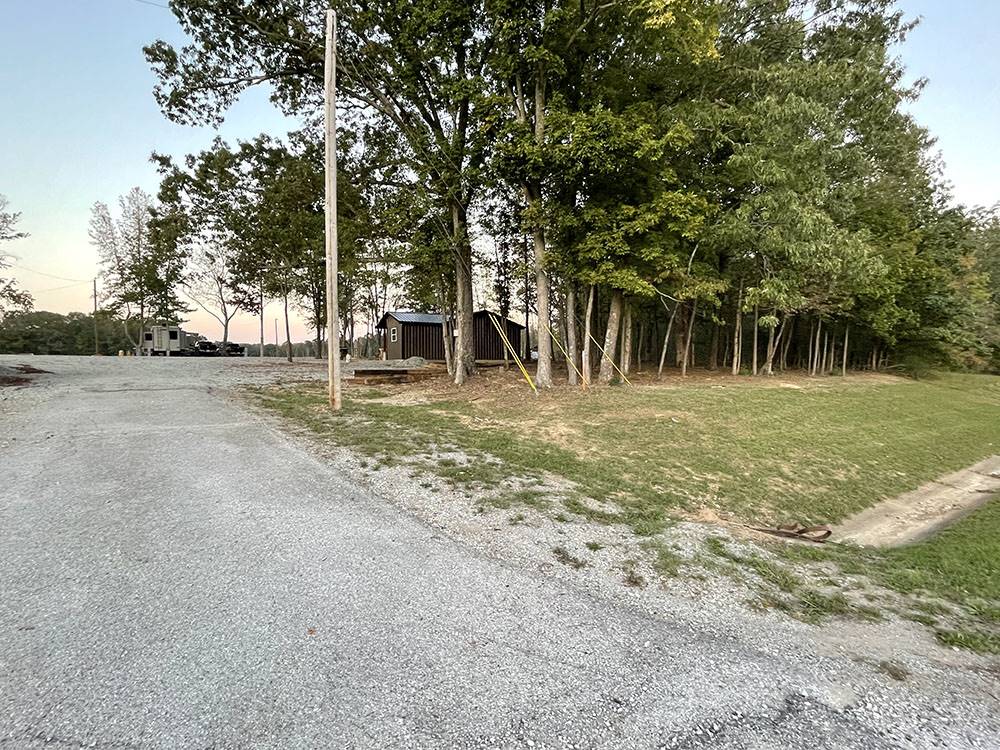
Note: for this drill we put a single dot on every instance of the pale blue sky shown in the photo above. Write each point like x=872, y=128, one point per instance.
x=78, y=120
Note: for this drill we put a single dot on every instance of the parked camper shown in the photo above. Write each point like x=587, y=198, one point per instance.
x=166, y=341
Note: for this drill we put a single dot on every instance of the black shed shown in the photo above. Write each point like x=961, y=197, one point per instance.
x=409, y=334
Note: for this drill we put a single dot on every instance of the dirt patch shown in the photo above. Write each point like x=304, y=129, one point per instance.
x=29, y=370
x=14, y=376
x=11, y=380
x=924, y=511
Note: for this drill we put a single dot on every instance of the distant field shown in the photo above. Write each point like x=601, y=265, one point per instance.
x=813, y=450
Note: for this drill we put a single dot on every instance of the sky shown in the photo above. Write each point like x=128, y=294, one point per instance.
x=78, y=123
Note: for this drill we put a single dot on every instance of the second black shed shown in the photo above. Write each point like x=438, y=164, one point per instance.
x=410, y=334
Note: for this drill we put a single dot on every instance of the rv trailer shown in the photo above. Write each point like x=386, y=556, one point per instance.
x=165, y=341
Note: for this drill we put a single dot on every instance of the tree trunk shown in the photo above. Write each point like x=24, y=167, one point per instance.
x=288, y=328
x=756, y=344
x=571, y=344
x=738, y=333
x=543, y=337
x=788, y=341
x=809, y=348
x=687, y=339
x=446, y=338
x=772, y=344
x=586, y=369
x=626, y=358
x=465, y=348
x=526, y=343
x=611, y=338
x=816, y=351
x=713, y=349
x=666, y=339
x=142, y=330
x=640, y=345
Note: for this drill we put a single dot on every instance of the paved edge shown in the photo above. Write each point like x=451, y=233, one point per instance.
x=923, y=512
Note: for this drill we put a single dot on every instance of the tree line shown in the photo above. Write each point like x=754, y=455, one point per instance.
x=731, y=183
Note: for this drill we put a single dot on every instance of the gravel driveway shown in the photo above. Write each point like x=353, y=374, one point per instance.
x=175, y=573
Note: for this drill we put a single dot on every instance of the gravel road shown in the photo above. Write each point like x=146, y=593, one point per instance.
x=175, y=573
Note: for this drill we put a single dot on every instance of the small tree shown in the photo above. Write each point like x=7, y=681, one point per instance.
x=10, y=296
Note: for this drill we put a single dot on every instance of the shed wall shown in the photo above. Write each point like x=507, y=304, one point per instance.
x=422, y=340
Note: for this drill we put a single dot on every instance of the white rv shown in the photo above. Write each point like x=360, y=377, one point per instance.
x=164, y=341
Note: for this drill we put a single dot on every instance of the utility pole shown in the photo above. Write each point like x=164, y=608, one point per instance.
x=97, y=349
x=332, y=306
x=262, y=318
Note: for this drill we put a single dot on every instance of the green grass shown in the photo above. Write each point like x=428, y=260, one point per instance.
x=950, y=581
x=666, y=561
x=751, y=449
x=778, y=587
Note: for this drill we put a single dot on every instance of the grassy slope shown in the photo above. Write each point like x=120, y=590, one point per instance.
x=816, y=452
x=950, y=582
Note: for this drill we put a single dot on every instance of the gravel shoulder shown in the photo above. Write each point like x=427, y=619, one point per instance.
x=175, y=571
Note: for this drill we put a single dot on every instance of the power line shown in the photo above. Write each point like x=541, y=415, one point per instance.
x=155, y=5
x=59, y=288
x=49, y=275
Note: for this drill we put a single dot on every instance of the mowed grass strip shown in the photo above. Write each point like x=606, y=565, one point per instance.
x=814, y=450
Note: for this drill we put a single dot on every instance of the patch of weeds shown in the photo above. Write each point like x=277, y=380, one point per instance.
x=529, y=498
x=561, y=518
x=896, y=671
x=632, y=576
x=923, y=619
x=983, y=611
x=594, y=546
x=369, y=393
x=815, y=606
x=717, y=546
x=576, y=505
x=769, y=572
x=648, y=523
x=974, y=640
x=517, y=519
x=666, y=562
x=564, y=556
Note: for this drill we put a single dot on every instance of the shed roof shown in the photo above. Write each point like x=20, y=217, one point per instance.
x=405, y=316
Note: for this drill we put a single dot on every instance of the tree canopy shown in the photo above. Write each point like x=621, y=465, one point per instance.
x=684, y=166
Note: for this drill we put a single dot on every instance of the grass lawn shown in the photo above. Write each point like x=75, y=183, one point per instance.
x=813, y=450
x=950, y=582
x=761, y=451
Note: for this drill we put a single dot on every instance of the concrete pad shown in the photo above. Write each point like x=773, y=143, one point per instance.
x=924, y=511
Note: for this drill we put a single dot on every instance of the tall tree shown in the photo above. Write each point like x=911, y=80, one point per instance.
x=139, y=276
x=414, y=67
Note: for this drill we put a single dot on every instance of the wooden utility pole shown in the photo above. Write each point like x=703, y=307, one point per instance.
x=97, y=348
x=332, y=306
